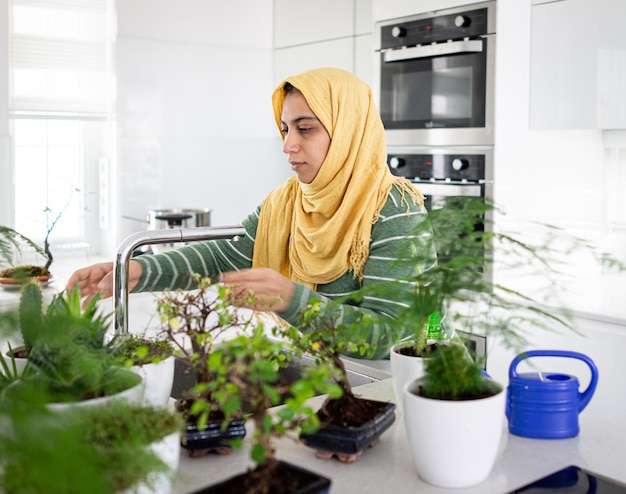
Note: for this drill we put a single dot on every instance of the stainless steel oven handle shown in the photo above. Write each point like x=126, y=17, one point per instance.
x=424, y=51
x=448, y=190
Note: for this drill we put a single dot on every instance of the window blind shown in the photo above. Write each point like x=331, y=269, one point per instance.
x=58, y=56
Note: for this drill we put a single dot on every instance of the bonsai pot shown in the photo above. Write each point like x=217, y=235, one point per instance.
x=211, y=438
x=348, y=443
x=302, y=482
x=453, y=443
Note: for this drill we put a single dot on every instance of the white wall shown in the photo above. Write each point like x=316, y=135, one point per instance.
x=195, y=126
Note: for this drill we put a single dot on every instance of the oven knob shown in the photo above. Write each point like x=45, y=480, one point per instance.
x=462, y=21
x=396, y=162
x=459, y=164
x=398, y=32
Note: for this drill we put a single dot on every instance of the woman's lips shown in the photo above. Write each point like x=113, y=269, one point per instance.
x=296, y=164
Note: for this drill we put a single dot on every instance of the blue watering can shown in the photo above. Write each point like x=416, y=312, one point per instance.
x=546, y=405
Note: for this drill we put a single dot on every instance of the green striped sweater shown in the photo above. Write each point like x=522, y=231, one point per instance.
x=171, y=270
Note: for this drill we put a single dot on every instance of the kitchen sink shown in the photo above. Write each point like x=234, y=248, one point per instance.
x=184, y=378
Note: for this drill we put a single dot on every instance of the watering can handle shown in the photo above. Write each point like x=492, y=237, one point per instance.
x=585, y=396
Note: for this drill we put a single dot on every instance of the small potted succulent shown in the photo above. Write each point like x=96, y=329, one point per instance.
x=247, y=370
x=194, y=322
x=69, y=360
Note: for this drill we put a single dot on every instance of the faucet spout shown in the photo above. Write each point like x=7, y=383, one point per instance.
x=130, y=243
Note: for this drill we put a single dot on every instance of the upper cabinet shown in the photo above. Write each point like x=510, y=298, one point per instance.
x=324, y=33
x=298, y=22
x=578, y=65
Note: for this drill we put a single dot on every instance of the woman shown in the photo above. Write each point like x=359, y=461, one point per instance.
x=335, y=227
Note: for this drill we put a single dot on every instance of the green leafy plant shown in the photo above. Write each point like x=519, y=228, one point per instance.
x=247, y=369
x=11, y=244
x=99, y=449
x=462, y=277
x=462, y=287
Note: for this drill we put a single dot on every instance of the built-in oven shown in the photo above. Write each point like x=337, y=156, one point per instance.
x=434, y=76
x=447, y=175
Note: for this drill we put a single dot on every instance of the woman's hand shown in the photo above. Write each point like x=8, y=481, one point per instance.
x=260, y=289
x=98, y=279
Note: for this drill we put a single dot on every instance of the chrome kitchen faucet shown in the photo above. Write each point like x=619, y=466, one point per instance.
x=130, y=243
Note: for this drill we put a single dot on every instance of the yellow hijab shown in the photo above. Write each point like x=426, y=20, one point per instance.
x=314, y=233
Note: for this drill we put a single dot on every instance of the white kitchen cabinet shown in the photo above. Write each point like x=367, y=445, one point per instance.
x=335, y=53
x=391, y=9
x=578, y=65
x=298, y=22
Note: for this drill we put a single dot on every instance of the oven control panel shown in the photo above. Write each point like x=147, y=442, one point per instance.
x=469, y=24
x=453, y=167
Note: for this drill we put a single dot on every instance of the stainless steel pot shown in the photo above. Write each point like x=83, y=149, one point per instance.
x=161, y=219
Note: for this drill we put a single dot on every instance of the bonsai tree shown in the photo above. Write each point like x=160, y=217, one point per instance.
x=320, y=333
x=194, y=322
x=11, y=243
x=247, y=369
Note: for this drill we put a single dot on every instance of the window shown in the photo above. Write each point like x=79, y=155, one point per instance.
x=59, y=99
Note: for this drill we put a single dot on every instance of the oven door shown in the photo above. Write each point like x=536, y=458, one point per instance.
x=438, y=195
x=438, y=94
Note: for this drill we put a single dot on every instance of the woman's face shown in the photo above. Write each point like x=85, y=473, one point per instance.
x=306, y=141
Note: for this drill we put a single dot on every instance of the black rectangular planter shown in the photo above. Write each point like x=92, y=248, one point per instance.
x=212, y=437
x=352, y=440
x=309, y=482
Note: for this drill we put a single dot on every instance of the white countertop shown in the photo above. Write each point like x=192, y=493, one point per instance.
x=388, y=467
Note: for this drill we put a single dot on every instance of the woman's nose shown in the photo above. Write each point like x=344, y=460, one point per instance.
x=290, y=144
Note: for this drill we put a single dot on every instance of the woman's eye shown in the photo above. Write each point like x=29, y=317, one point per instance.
x=304, y=130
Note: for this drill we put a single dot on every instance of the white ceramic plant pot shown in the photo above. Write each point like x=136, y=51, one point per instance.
x=453, y=443
x=133, y=395
x=20, y=362
x=158, y=380
x=404, y=369
x=168, y=450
